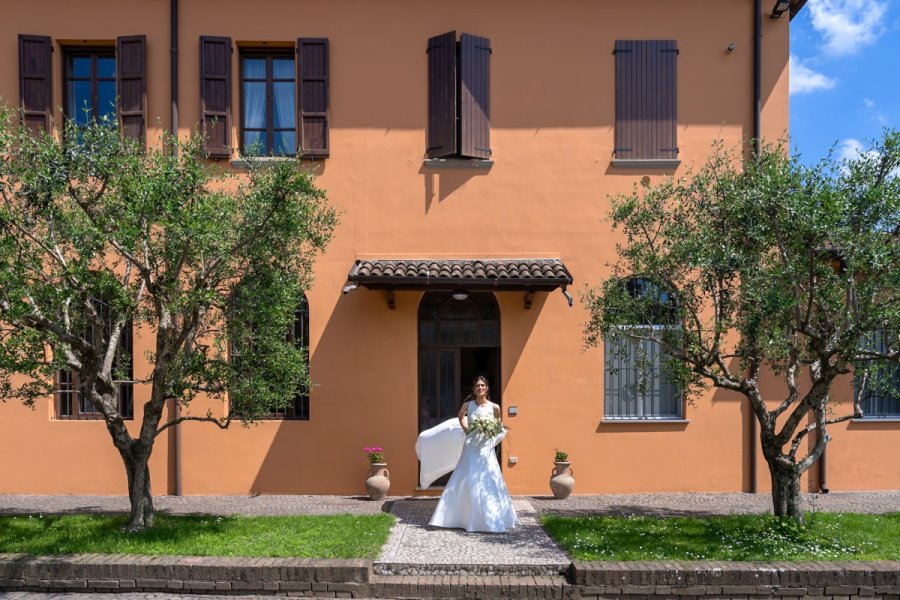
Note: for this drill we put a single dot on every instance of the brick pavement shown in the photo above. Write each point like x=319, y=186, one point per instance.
x=658, y=504
x=702, y=504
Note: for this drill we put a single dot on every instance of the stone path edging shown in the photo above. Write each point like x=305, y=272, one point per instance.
x=355, y=578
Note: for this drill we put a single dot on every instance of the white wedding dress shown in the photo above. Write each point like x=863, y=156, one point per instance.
x=476, y=498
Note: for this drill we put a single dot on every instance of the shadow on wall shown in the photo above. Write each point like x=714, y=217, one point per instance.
x=365, y=377
x=443, y=183
x=309, y=457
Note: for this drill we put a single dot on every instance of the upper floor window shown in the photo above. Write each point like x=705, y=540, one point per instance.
x=459, y=78
x=269, y=104
x=646, y=100
x=97, y=82
x=283, y=99
x=637, y=384
x=881, y=398
x=90, y=86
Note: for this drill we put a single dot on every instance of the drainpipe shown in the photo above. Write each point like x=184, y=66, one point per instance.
x=173, y=87
x=173, y=68
x=753, y=436
x=757, y=75
x=823, y=479
x=754, y=147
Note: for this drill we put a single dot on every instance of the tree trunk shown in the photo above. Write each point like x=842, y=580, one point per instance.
x=137, y=466
x=786, y=501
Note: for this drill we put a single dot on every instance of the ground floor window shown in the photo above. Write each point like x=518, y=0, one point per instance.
x=881, y=398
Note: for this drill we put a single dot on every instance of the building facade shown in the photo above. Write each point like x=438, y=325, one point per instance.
x=471, y=148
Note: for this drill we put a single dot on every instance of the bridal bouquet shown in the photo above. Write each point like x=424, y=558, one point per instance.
x=486, y=426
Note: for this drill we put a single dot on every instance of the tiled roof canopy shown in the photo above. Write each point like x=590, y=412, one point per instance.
x=522, y=274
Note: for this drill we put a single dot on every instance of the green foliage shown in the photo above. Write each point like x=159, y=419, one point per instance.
x=748, y=246
x=334, y=536
x=829, y=536
x=762, y=263
x=200, y=260
x=561, y=456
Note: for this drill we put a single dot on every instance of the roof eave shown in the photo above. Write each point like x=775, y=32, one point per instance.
x=449, y=284
x=796, y=7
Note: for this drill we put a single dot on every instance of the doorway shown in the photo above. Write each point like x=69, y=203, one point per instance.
x=458, y=340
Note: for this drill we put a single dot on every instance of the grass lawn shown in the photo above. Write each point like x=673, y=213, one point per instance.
x=827, y=536
x=338, y=536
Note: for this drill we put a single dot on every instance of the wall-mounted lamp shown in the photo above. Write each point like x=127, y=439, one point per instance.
x=460, y=294
x=512, y=411
x=781, y=7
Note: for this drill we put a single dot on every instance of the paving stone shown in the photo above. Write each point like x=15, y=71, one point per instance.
x=415, y=547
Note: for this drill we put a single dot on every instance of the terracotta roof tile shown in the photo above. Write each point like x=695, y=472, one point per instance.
x=527, y=272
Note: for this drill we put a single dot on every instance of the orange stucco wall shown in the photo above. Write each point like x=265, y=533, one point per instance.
x=552, y=132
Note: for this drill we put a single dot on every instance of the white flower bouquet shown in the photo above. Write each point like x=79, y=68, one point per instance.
x=487, y=426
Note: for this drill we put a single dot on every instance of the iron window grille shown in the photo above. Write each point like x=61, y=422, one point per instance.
x=71, y=403
x=881, y=398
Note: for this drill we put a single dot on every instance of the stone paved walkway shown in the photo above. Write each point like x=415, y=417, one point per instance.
x=657, y=504
x=671, y=505
x=415, y=547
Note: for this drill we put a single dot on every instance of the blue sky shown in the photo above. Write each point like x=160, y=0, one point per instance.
x=845, y=75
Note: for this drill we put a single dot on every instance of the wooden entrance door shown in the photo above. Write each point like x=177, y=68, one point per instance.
x=458, y=340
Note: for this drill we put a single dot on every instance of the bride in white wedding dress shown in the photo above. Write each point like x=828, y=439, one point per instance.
x=476, y=498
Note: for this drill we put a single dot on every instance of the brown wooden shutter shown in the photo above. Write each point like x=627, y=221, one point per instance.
x=646, y=90
x=215, y=95
x=312, y=93
x=131, y=85
x=442, y=134
x=474, y=96
x=35, y=81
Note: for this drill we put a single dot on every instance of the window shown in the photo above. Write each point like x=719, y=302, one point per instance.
x=646, y=100
x=298, y=409
x=268, y=100
x=97, y=82
x=299, y=335
x=637, y=385
x=881, y=398
x=90, y=86
x=283, y=98
x=72, y=404
x=459, y=97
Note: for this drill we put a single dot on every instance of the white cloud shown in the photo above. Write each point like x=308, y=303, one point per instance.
x=804, y=80
x=847, y=25
x=851, y=149
x=875, y=114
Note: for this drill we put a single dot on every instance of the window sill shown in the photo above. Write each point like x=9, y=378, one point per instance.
x=244, y=163
x=608, y=421
x=645, y=163
x=457, y=163
x=876, y=420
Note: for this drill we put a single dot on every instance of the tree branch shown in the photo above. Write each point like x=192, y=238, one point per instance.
x=222, y=423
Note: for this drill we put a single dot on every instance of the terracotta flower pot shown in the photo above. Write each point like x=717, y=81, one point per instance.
x=561, y=481
x=378, y=481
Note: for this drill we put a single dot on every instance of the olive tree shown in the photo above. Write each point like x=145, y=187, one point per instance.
x=763, y=267
x=98, y=236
